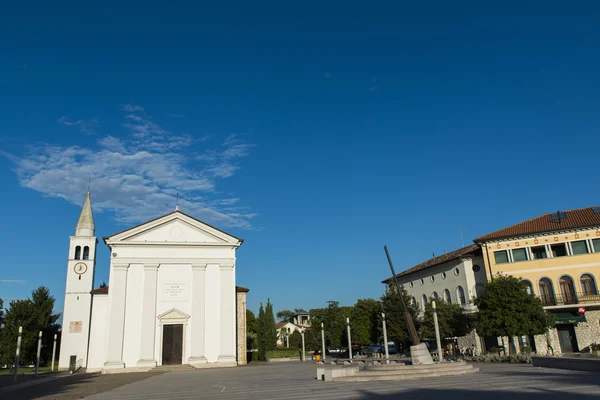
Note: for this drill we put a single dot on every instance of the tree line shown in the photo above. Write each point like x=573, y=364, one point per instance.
x=34, y=314
x=504, y=309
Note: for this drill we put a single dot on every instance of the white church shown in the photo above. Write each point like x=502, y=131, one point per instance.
x=171, y=299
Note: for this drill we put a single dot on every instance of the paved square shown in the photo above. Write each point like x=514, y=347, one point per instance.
x=297, y=381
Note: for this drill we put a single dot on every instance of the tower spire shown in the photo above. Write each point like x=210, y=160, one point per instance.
x=85, y=225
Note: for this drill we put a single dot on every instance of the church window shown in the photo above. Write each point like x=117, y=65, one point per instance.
x=78, y=253
x=86, y=253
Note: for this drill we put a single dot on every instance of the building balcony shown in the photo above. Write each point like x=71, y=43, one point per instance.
x=566, y=300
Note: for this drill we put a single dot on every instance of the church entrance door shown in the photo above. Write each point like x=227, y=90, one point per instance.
x=172, y=345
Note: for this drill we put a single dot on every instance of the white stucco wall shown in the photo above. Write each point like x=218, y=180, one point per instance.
x=97, y=348
x=147, y=262
x=466, y=278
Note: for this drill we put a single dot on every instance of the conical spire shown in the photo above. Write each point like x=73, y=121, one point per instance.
x=85, y=225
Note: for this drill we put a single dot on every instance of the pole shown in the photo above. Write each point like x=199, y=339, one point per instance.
x=302, y=344
x=349, y=338
x=53, y=353
x=410, y=325
x=385, y=343
x=287, y=338
x=437, y=332
x=37, y=357
x=17, y=355
x=323, y=341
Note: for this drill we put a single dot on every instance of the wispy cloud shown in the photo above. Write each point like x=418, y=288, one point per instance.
x=374, y=89
x=131, y=108
x=139, y=175
x=12, y=281
x=327, y=75
x=85, y=126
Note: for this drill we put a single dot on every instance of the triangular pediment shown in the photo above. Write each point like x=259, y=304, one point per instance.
x=173, y=313
x=175, y=227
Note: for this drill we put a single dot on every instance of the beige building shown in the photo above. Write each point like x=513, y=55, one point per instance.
x=558, y=257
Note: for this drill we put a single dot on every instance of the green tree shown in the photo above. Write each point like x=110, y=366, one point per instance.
x=260, y=333
x=365, y=321
x=452, y=321
x=251, y=330
x=33, y=315
x=285, y=316
x=296, y=340
x=270, y=331
x=394, y=313
x=1, y=312
x=506, y=309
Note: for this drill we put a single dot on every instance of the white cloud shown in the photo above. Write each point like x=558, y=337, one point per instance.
x=85, y=126
x=138, y=176
x=131, y=108
x=12, y=281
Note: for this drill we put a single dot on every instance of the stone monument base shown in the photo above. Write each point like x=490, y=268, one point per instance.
x=420, y=355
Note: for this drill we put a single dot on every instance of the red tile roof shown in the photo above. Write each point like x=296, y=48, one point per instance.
x=580, y=218
x=101, y=290
x=104, y=290
x=453, y=255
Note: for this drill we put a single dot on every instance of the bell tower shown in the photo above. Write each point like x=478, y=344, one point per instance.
x=77, y=312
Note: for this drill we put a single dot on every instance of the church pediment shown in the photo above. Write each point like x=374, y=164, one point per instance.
x=177, y=228
x=173, y=314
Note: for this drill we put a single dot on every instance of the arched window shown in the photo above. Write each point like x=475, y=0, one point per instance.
x=460, y=295
x=547, y=292
x=567, y=290
x=527, y=285
x=78, y=253
x=86, y=253
x=447, y=296
x=424, y=301
x=588, y=285
x=435, y=296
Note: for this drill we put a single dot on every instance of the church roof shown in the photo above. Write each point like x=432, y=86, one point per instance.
x=104, y=290
x=85, y=225
x=171, y=213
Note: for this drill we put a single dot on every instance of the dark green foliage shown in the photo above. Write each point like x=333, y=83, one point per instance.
x=260, y=333
x=296, y=340
x=33, y=315
x=394, y=313
x=506, y=309
x=285, y=316
x=251, y=330
x=266, y=332
x=365, y=322
x=334, y=320
x=452, y=321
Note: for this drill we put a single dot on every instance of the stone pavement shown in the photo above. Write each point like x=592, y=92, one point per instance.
x=73, y=387
x=297, y=381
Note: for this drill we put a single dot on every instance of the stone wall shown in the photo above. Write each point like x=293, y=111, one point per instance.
x=550, y=339
x=588, y=332
x=470, y=341
x=241, y=328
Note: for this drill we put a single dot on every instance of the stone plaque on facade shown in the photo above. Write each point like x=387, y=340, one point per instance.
x=75, y=327
x=175, y=292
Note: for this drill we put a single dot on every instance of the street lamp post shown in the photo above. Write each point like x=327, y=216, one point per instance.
x=37, y=357
x=53, y=352
x=349, y=338
x=323, y=341
x=437, y=331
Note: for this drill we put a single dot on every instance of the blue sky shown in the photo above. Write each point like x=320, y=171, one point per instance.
x=317, y=132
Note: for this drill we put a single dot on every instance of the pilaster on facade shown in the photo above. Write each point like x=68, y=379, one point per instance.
x=116, y=323
x=198, y=341
x=147, y=358
x=227, y=351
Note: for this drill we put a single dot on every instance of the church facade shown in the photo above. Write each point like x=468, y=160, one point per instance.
x=171, y=299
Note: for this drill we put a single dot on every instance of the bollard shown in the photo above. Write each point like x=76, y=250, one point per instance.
x=37, y=357
x=303, y=358
x=16, y=372
x=53, y=352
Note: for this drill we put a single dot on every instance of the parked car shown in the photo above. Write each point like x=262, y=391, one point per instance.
x=334, y=350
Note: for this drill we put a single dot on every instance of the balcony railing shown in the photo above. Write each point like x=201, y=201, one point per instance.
x=570, y=298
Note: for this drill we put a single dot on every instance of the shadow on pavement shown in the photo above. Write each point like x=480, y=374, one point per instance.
x=450, y=394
